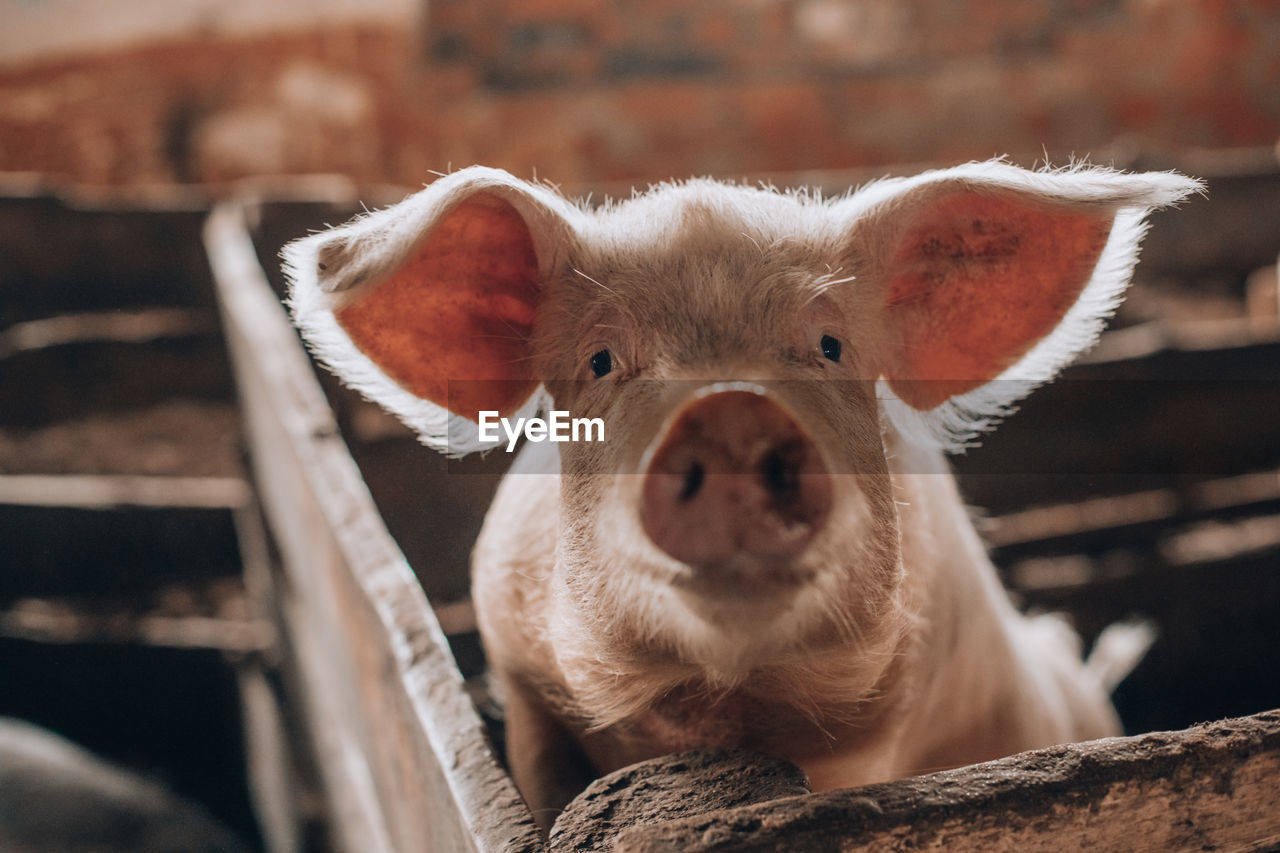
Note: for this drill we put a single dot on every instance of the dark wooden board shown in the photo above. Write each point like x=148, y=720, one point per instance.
x=403, y=753
x=1210, y=787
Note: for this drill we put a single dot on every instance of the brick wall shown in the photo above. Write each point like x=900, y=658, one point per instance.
x=585, y=92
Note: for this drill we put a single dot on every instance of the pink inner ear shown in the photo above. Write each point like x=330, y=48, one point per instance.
x=460, y=308
x=975, y=282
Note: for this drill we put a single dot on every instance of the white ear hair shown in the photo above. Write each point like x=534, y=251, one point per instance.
x=328, y=270
x=1130, y=197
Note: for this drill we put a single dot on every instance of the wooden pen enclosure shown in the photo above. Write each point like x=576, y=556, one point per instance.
x=1146, y=482
x=402, y=751
x=124, y=620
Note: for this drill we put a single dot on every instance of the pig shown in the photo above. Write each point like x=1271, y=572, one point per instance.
x=767, y=550
x=56, y=797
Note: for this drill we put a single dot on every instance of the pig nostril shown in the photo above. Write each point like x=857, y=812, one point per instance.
x=780, y=473
x=692, y=481
x=736, y=487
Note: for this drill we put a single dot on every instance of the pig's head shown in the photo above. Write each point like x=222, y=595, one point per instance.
x=751, y=354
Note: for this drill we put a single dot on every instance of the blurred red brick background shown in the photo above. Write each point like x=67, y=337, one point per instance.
x=587, y=93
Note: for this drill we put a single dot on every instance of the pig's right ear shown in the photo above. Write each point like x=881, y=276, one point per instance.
x=428, y=307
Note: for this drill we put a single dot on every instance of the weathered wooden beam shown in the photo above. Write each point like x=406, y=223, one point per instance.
x=40, y=387
x=58, y=257
x=668, y=788
x=403, y=753
x=65, y=623
x=134, y=326
x=107, y=491
x=1210, y=787
x=1218, y=623
x=117, y=544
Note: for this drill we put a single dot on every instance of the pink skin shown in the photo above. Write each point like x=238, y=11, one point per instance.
x=780, y=562
x=735, y=489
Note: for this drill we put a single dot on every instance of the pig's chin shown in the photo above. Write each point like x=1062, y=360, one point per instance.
x=743, y=582
x=729, y=628
x=754, y=606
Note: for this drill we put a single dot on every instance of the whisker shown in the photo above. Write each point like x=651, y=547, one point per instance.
x=516, y=360
x=500, y=337
x=595, y=282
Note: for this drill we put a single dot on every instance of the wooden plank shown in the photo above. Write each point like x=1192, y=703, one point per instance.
x=1217, y=648
x=106, y=491
x=62, y=623
x=136, y=326
x=42, y=386
x=275, y=757
x=1210, y=787
x=126, y=555
x=1231, y=229
x=1136, y=518
x=71, y=254
x=272, y=777
x=403, y=752
x=1173, y=414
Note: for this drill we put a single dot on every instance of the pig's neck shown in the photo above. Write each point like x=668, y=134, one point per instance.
x=813, y=712
x=969, y=680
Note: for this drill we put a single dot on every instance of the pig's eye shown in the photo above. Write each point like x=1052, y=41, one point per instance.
x=830, y=348
x=601, y=363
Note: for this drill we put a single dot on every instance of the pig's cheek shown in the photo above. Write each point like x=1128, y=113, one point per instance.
x=867, y=539
x=850, y=507
x=620, y=526
x=860, y=535
x=600, y=522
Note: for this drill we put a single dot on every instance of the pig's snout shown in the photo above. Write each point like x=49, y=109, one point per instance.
x=734, y=483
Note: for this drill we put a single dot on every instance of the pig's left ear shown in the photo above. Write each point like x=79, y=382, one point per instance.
x=989, y=271
x=428, y=307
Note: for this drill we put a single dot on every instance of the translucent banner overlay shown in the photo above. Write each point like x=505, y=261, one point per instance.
x=1113, y=426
